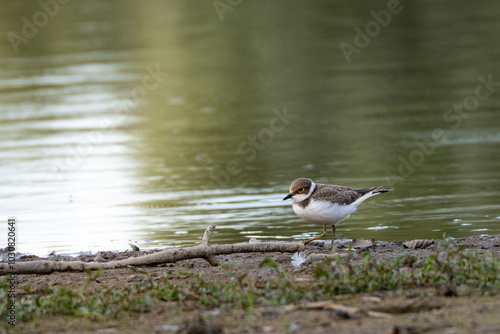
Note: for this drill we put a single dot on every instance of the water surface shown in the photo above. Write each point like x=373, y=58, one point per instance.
x=145, y=122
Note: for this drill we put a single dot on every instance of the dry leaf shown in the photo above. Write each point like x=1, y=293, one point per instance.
x=363, y=244
x=418, y=243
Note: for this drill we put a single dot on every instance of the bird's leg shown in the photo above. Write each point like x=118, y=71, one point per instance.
x=319, y=236
x=333, y=235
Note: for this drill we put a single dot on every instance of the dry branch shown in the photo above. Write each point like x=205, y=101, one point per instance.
x=323, y=257
x=353, y=312
x=202, y=251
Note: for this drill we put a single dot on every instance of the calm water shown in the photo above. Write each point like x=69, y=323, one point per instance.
x=144, y=122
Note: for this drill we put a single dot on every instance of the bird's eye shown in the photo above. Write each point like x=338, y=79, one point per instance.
x=300, y=190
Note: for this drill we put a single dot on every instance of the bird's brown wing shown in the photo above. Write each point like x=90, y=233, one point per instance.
x=338, y=194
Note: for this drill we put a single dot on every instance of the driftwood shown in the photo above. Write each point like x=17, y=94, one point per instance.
x=202, y=251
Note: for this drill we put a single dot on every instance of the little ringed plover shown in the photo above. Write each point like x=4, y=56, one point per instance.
x=327, y=204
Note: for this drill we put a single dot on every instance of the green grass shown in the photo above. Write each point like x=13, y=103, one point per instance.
x=448, y=265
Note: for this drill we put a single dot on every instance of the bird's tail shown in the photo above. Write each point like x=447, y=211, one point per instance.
x=377, y=190
x=374, y=190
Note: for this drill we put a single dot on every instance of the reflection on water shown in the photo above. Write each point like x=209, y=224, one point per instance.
x=146, y=122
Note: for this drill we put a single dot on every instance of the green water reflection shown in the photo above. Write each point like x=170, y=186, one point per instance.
x=144, y=122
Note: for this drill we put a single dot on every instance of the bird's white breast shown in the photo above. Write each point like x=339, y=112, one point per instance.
x=324, y=212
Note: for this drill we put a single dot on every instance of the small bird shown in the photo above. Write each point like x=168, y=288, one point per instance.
x=327, y=204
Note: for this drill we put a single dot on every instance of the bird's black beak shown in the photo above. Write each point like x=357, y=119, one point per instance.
x=288, y=196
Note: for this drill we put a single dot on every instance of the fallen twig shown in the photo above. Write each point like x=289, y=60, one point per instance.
x=353, y=312
x=202, y=251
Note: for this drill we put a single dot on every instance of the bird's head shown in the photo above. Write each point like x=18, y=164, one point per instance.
x=301, y=189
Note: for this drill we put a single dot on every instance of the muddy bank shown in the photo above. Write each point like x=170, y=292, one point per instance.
x=426, y=309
